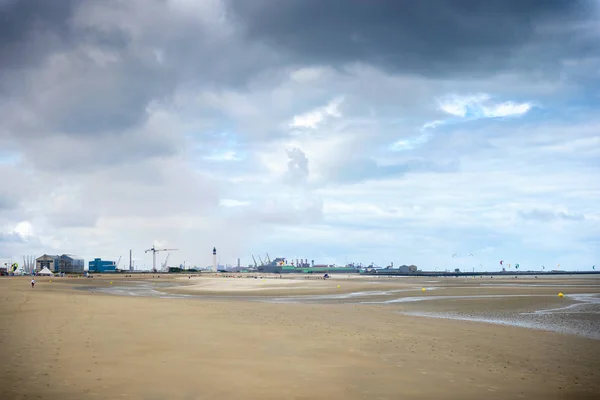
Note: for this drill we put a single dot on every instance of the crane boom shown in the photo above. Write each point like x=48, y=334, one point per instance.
x=154, y=250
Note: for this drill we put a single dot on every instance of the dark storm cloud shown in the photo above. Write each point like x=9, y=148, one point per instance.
x=29, y=29
x=428, y=36
x=93, y=67
x=83, y=154
x=74, y=93
x=90, y=67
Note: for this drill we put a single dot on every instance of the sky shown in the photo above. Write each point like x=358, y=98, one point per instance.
x=337, y=131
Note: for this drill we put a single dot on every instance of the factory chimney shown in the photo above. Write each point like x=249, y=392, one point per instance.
x=130, y=261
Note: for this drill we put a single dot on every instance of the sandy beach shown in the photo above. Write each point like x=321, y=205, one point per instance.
x=234, y=338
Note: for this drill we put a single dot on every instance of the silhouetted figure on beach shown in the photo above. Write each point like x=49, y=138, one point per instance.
x=32, y=283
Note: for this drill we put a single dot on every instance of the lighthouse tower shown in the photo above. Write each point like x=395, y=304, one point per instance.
x=214, y=259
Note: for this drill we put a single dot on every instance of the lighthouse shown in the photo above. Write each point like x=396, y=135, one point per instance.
x=214, y=259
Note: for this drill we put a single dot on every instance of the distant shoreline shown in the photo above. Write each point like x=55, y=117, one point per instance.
x=499, y=273
x=376, y=273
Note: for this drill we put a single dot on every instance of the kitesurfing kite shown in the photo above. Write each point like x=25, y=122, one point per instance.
x=517, y=266
x=453, y=255
x=501, y=262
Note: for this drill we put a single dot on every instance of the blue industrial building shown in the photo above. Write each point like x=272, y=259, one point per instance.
x=99, y=265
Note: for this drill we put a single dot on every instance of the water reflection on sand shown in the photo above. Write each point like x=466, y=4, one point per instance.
x=580, y=316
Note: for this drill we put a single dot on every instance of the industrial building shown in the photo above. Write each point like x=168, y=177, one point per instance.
x=408, y=269
x=401, y=270
x=279, y=266
x=47, y=261
x=65, y=263
x=70, y=264
x=100, y=265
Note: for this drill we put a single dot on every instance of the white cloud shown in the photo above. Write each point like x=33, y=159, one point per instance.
x=506, y=109
x=459, y=105
x=310, y=74
x=314, y=118
x=229, y=155
x=480, y=106
x=469, y=107
x=410, y=143
x=433, y=124
x=24, y=229
x=233, y=203
x=414, y=142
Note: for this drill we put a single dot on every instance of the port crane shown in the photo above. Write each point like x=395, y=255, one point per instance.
x=117, y=264
x=154, y=250
x=164, y=265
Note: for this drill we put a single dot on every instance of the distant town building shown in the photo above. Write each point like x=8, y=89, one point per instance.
x=47, y=261
x=100, y=265
x=70, y=264
x=65, y=263
x=408, y=269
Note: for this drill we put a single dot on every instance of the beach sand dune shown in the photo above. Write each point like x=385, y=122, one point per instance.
x=61, y=343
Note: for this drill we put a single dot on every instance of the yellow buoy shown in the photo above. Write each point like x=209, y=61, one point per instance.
x=423, y=289
x=111, y=282
x=51, y=281
x=560, y=295
x=338, y=286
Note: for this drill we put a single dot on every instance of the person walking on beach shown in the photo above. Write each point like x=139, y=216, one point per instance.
x=33, y=282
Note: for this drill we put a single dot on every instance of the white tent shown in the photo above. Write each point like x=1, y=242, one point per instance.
x=46, y=272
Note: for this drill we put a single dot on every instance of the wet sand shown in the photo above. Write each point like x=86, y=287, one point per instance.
x=58, y=341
